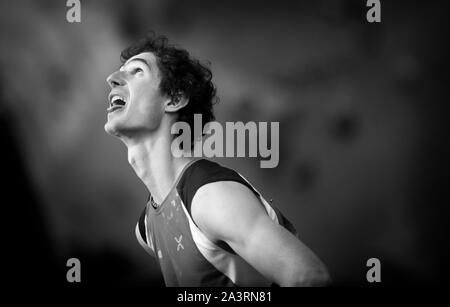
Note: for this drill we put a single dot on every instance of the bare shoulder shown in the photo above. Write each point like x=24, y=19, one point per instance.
x=225, y=207
x=225, y=196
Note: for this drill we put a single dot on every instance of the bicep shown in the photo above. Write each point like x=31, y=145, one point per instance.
x=273, y=251
x=232, y=213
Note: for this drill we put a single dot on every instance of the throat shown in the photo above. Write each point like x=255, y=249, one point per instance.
x=156, y=168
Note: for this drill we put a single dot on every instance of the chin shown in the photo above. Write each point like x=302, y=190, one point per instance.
x=111, y=129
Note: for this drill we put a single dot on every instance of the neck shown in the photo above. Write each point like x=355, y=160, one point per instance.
x=154, y=163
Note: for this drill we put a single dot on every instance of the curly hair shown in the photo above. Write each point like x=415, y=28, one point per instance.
x=181, y=75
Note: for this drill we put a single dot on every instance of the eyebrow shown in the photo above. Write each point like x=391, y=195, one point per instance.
x=136, y=59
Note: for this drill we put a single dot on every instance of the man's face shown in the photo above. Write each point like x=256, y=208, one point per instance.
x=136, y=104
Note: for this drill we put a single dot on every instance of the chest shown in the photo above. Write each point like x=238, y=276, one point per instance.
x=173, y=242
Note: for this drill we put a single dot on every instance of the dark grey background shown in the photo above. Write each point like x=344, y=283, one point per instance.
x=363, y=112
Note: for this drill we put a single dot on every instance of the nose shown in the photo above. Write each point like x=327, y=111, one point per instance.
x=115, y=79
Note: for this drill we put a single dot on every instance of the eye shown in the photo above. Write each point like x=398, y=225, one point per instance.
x=136, y=70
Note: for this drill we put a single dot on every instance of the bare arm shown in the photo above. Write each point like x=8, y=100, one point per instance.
x=228, y=211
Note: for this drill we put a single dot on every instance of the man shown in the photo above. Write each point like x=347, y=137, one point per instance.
x=205, y=224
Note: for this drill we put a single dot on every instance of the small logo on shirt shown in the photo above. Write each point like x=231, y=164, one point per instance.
x=178, y=240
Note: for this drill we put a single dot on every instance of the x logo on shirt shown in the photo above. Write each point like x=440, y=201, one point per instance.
x=178, y=240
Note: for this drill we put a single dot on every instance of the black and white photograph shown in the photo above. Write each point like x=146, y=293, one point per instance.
x=224, y=145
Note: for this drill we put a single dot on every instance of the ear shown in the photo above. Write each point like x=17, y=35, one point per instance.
x=176, y=103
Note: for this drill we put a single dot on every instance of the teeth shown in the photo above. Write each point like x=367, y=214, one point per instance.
x=116, y=99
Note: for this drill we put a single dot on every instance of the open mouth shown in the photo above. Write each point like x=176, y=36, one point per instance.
x=116, y=103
